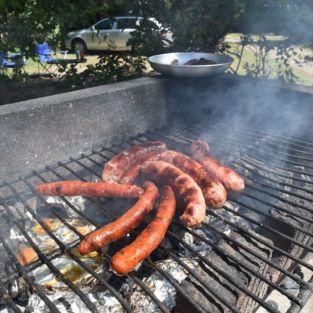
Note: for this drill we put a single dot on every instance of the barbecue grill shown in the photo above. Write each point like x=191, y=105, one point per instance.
x=259, y=243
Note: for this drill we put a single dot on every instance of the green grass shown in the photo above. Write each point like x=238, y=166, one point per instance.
x=236, y=37
x=303, y=70
x=32, y=67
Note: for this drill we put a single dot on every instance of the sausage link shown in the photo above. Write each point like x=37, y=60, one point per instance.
x=133, y=172
x=123, y=225
x=214, y=192
x=88, y=189
x=231, y=180
x=118, y=165
x=150, y=238
x=185, y=188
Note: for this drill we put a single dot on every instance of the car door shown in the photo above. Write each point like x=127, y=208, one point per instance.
x=101, y=31
x=121, y=33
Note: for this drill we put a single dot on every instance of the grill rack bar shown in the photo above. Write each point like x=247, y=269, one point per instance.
x=275, y=138
x=277, y=181
x=246, y=290
x=248, y=195
x=28, y=280
x=270, y=263
x=258, y=153
x=90, y=305
x=269, y=204
x=298, y=260
x=8, y=300
x=280, y=151
x=280, y=198
x=133, y=277
x=53, y=269
x=308, y=182
x=186, y=267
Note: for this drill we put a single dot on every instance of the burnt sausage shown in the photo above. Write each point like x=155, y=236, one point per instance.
x=88, y=189
x=231, y=180
x=123, y=225
x=150, y=238
x=186, y=190
x=133, y=172
x=214, y=192
x=119, y=164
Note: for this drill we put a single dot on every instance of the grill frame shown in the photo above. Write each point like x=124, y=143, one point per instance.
x=297, y=302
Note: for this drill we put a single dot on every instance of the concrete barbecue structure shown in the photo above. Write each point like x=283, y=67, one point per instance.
x=254, y=246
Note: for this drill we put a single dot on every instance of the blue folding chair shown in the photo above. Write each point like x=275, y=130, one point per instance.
x=4, y=61
x=46, y=60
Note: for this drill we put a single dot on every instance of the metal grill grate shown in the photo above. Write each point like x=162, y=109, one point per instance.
x=269, y=235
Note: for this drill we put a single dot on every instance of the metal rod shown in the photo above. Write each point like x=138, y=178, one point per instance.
x=275, y=206
x=267, y=142
x=135, y=279
x=284, y=140
x=35, y=287
x=176, y=285
x=116, y=294
x=250, y=269
x=249, y=160
x=258, y=238
x=99, y=175
x=296, y=242
x=296, y=278
x=52, y=268
x=238, y=285
x=8, y=301
x=200, y=279
x=257, y=156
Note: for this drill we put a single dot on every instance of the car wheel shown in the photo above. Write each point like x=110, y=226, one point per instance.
x=78, y=44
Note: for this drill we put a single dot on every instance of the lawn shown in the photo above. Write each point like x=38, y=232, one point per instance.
x=303, y=70
x=37, y=86
x=32, y=68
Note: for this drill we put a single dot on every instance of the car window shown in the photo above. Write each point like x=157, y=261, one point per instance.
x=149, y=23
x=105, y=24
x=126, y=23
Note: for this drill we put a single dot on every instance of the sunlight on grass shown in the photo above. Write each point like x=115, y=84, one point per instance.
x=303, y=69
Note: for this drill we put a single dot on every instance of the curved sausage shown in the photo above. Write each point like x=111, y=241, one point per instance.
x=214, y=192
x=185, y=188
x=118, y=165
x=133, y=172
x=231, y=180
x=88, y=189
x=150, y=238
x=123, y=225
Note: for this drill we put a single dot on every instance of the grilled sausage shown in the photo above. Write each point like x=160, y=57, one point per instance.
x=123, y=225
x=231, y=180
x=118, y=165
x=213, y=190
x=133, y=172
x=88, y=189
x=150, y=238
x=185, y=188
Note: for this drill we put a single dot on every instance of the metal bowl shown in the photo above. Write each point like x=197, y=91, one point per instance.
x=162, y=64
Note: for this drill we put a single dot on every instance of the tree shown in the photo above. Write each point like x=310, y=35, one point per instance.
x=25, y=22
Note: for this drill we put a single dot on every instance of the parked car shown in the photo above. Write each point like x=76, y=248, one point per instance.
x=110, y=34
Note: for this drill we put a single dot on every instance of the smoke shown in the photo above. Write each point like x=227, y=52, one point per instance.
x=230, y=102
x=291, y=18
x=218, y=109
